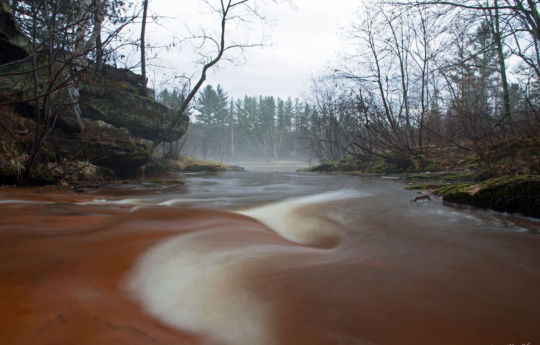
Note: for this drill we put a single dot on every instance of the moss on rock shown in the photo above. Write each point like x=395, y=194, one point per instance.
x=513, y=194
x=183, y=164
x=114, y=114
x=423, y=186
x=445, y=176
x=107, y=147
x=114, y=99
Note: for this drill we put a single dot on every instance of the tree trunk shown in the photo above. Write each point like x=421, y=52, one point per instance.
x=143, y=56
x=502, y=69
x=233, y=151
x=98, y=20
x=81, y=49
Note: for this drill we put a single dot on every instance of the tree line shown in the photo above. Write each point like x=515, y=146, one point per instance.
x=421, y=75
x=418, y=75
x=247, y=128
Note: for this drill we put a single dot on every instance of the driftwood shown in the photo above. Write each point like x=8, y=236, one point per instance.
x=421, y=197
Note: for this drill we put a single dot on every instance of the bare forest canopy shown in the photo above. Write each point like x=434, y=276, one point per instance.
x=426, y=75
x=416, y=78
x=419, y=78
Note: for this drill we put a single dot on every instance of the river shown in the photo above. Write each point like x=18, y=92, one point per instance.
x=263, y=258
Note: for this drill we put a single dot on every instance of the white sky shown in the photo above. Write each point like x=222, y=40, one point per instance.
x=302, y=39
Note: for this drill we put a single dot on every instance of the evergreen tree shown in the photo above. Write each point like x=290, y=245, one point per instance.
x=212, y=118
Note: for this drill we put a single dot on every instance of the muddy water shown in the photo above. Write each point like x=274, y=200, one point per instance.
x=263, y=259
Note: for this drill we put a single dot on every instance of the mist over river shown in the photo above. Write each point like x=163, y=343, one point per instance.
x=263, y=258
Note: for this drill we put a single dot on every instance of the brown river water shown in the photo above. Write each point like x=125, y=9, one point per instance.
x=263, y=258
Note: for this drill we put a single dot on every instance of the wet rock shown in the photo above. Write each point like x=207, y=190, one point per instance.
x=513, y=194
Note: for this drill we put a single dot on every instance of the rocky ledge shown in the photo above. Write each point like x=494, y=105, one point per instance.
x=120, y=123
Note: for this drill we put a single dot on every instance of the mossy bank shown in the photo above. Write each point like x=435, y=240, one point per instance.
x=160, y=166
x=505, y=179
x=513, y=194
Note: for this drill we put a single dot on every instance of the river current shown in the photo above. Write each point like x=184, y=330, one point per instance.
x=263, y=258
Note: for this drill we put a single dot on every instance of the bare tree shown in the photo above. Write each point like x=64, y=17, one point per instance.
x=62, y=38
x=515, y=25
x=495, y=21
x=227, y=11
x=384, y=41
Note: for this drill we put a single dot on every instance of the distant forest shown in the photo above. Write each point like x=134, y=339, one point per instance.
x=254, y=127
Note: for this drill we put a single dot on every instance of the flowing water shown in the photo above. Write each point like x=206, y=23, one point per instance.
x=254, y=258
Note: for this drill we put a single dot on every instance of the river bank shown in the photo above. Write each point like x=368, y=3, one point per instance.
x=83, y=175
x=505, y=179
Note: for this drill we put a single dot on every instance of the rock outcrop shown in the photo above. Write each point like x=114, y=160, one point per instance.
x=513, y=194
x=14, y=45
x=106, y=146
x=116, y=116
x=114, y=98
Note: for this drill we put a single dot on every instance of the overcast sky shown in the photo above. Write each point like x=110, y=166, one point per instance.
x=301, y=39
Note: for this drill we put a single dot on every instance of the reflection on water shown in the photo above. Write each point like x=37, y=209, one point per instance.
x=289, y=259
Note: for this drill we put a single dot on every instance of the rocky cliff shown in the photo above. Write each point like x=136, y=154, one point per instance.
x=13, y=44
x=119, y=122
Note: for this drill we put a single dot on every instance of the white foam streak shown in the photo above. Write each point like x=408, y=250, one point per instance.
x=192, y=287
x=283, y=218
x=148, y=202
x=199, y=283
x=173, y=202
x=16, y=201
x=111, y=202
